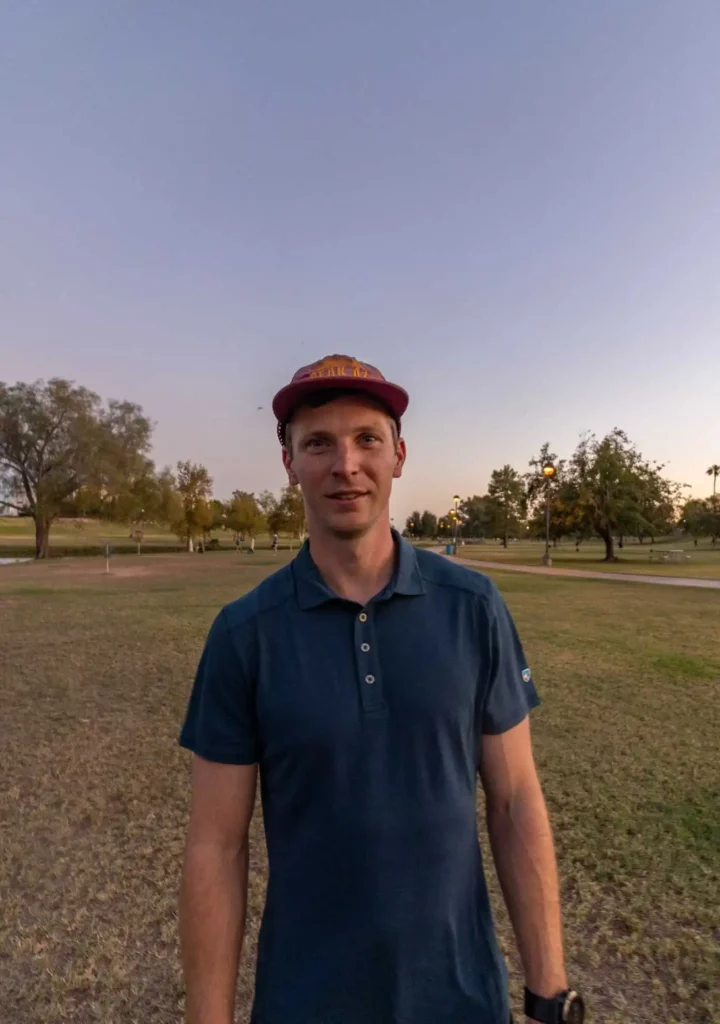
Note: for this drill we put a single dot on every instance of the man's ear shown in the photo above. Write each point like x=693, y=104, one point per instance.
x=400, y=456
x=287, y=463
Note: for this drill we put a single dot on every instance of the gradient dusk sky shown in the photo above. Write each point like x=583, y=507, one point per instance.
x=511, y=208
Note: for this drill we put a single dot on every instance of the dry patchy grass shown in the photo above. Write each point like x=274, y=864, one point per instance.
x=703, y=561
x=94, y=676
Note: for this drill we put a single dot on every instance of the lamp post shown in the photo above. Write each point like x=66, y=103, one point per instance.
x=548, y=471
x=456, y=502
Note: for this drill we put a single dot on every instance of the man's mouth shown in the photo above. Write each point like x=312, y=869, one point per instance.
x=347, y=496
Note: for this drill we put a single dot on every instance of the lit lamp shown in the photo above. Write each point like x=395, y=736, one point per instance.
x=456, y=521
x=548, y=472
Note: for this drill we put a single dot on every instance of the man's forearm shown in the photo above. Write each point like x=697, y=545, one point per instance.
x=522, y=847
x=213, y=902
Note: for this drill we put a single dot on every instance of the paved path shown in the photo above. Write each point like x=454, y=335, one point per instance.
x=625, y=577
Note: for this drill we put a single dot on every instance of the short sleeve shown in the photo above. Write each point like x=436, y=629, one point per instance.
x=221, y=722
x=510, y=694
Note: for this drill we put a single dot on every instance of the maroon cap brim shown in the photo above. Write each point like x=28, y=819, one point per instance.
x=289, y=397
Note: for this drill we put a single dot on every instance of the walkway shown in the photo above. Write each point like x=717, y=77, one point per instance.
x=625, y=577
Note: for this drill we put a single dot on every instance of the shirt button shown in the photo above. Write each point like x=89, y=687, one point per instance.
x=365, y=647
x=369, y=680
x=363, y=616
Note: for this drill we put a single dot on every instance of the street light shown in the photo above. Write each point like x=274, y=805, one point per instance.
x=548, y=472
x=456, y=502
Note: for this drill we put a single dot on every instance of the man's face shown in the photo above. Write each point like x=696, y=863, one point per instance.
x=345, y=456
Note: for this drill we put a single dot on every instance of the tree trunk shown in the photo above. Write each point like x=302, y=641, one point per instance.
x=505, y=540
x=609, y=546
x=42, y=537
x=695, y=540
x=621, y=541
x=190, y=546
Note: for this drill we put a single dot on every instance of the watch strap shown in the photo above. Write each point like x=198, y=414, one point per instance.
x=546, y=1011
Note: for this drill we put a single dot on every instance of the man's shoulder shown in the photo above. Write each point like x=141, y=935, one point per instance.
x=274, y=591
x=439, y=571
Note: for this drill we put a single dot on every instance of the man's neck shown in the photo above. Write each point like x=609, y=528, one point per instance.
x=358, y=568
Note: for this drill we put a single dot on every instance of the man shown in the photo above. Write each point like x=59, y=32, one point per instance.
x=370, y=682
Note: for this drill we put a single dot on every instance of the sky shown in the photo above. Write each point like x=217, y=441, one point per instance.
x=513, y=209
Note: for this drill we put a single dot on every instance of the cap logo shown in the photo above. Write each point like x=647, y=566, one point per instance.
x=527, y=675
x=332, y=366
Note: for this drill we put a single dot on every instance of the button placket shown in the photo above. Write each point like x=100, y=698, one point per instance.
x=368, y=670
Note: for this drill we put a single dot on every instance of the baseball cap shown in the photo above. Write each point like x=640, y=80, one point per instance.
x=332, y=373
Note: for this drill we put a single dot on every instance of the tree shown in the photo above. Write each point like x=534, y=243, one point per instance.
x=292, y=509
x=428, y=525
x=614, y=485
x=507, y=504
x=412, y=524
x=58, y=441
x=267, y=502
x=565, y=520
x=537, y=490
x=218, y=512
x=714, y=472
x=536, y=481
x=658, y=502
x=478, y=516
x=244, y=515
x=190, y=513
x=695, y=519
x=444, y=527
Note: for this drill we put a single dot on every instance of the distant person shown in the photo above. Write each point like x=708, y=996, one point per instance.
x=371, y=682
x=275, y=543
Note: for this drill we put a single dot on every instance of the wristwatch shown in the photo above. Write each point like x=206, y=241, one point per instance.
x=566, y=1008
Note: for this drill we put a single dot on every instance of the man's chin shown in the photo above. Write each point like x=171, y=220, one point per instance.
x=349, y=527
x=349, y=531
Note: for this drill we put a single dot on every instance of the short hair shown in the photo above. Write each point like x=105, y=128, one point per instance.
x=318, y=399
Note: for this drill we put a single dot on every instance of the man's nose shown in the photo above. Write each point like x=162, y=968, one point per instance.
x=346, y=461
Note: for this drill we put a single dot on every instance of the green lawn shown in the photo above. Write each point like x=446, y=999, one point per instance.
x=94, y=676
x=704, y=560
x=88, y=536
x=17, y=535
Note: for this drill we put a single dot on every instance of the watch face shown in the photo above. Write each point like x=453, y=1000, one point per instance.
x=575, y=1011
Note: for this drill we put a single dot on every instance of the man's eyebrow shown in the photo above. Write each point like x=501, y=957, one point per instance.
x=311, y=434
x=374, y=428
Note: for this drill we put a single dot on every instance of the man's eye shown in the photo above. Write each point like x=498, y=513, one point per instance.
x=369, y=439
x=315, y=443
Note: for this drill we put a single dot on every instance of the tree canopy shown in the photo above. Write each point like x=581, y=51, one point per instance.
x=189, y=512
x=59, y=441
x=507, y=505
x=243, y=515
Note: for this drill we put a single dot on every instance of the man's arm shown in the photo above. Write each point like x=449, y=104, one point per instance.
x=522, y=848
x=213, y=895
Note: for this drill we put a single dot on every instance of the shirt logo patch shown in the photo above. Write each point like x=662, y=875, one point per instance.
x=527, y=675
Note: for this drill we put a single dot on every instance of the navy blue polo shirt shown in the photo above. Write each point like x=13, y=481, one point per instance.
x=367, y=724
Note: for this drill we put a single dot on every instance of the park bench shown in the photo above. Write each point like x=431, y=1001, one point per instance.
x=674, y=556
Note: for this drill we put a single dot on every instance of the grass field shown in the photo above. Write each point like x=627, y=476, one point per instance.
x=17, y=536
x=88, y=536
x=704, y=560
x=94, y=676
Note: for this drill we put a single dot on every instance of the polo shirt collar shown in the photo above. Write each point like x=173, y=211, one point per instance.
x=312, y=590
